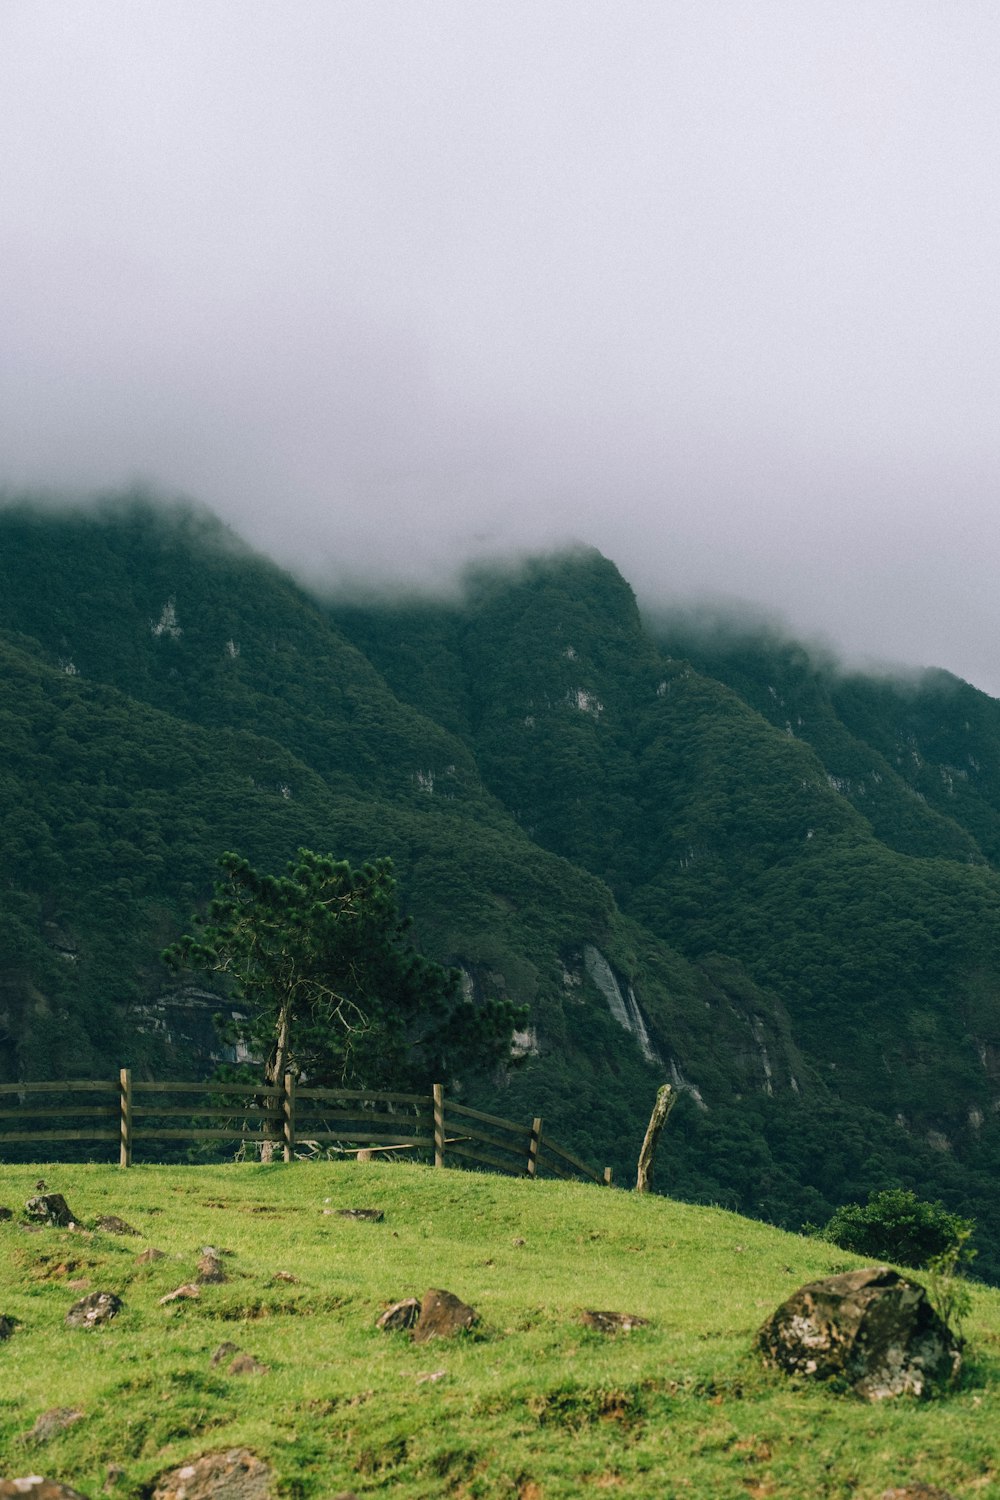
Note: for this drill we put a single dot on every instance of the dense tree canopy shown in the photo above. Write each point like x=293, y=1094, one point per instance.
x=333, y=988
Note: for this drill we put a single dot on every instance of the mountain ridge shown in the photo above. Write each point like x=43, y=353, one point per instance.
x=553, y=773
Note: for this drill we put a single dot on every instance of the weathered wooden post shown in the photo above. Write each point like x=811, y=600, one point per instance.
x=439, y=1124
x=125, y=1116
x=665, y=1101
x=288, y=1117
x=607, y=1176
x=534, y=1141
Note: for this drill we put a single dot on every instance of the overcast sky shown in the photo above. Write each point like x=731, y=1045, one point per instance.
x=712, y=285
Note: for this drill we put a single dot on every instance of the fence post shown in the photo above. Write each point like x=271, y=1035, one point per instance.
x=288, y=1120
x=439, y=1124
x=125, y=1116
x=607, y=1176
x=534, y=1140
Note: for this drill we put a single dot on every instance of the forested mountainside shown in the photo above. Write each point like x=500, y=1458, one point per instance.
x=706, y=857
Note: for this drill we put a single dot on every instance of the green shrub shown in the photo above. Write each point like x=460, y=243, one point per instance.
x=896, y=1225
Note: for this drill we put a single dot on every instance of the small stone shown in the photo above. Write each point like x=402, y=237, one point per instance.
x=375, y=1215
x=245, y=1364
x=431, y=1375
x=34, y=1487
x=286, y=1276
x=111, y=1224
x=51, y=1208
x=442, y=1314
x=188, y=1290
x=917, y=1491
x=518, y=1242
x=147, y=1257
x=210, y=1267
x=233, y=1474
x=225, y=1351
x=51, y=1422
x=612, y=1322
x=93, y=1310
x=400, y=1315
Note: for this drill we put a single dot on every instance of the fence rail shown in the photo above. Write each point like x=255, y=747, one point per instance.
x=282, y=1117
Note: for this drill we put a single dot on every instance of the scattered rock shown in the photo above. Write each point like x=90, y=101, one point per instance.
x=210, y=1267
x=50, y=1422
x=6, y=1213
x=612, y=1322
x=179, y=1293
x=518, y=1242
x=400, y=1315
x=34, y=1487
x=236, y=1474
x=285, y=1276
x=870, y=1328
x=245, y=1364
x=374, y=1214
x=917, y=1492
x=442, y=1314
x=50, y=1208
x=148, y=1256
x=7, y=1326
x=225, y=1351
x=78, y=1283
x=93, y=1310
x=111, y=1224
x=430, y=1376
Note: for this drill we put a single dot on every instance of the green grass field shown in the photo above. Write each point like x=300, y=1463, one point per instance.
x=530, y=1404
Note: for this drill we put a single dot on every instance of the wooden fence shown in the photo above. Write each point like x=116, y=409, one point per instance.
x=294, y=1120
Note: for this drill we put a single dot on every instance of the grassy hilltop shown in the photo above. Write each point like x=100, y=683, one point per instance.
x=530, y=1404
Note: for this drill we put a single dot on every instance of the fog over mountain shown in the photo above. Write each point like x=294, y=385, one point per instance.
x=711, y=286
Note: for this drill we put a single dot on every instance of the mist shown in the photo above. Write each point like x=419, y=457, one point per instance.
x=709, y=285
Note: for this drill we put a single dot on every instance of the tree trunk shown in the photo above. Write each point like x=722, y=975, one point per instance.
x=665, y=1101
x=274, y=1073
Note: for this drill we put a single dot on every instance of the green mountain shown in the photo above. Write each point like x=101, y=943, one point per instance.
x=702, y=856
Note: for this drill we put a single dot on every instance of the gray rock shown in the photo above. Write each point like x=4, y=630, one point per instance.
x=235, y=1474
x=50, y=1208
x=870, y=1328
x=93, y=1310
x=442, y=1315
x=147, y=1257
x=111, y=1224
x=375, y=1215
x=52, y=1422
x=225, y=1352
x=612, y=1322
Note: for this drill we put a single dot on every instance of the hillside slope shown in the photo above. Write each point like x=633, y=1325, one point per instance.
x=584, y=819
x=531, y=1403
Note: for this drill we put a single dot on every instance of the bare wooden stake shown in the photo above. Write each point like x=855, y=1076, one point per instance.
x=439, y=1124
x=125, y=1081
x=607, y=1176
x=534, y=1140
x=665, y=1101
